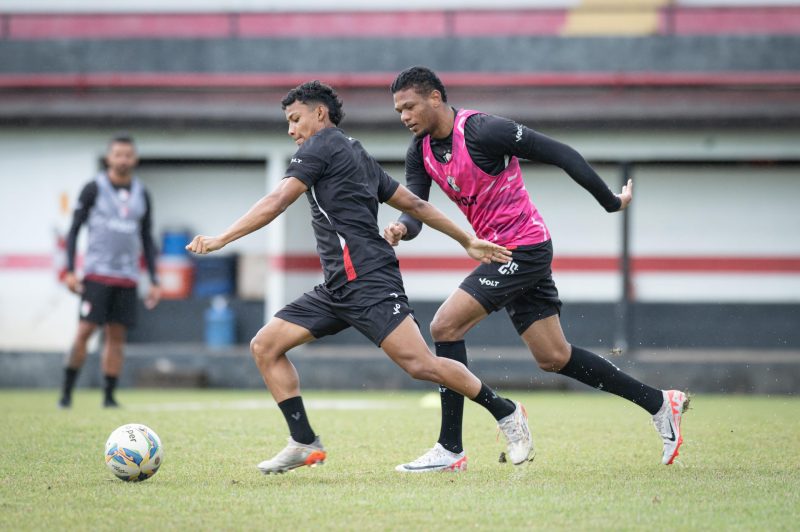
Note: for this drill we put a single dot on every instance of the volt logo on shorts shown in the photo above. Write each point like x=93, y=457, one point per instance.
x=509, y=268
x=488, y=282
x=396, y=308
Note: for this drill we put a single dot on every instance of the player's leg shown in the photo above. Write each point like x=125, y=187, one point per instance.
x=74, y=361
x=457, y=315
x=300, y=322
x=553, y=353
x=120, y=316
x=406, y=347
x=92, y=312
x=112, y=359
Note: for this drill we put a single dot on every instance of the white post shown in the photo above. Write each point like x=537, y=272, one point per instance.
x=275, y=295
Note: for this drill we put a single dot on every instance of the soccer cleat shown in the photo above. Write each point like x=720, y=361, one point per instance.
x=515, y=428
x=295, y=455
x=65, y=402
x=436, y=459
x=668, y=423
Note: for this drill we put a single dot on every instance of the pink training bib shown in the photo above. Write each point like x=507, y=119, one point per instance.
x=498, y=207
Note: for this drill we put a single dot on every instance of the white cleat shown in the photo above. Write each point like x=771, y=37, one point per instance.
x=295, y=455
x=668, y=423
x=436, y=459
x=515, y=428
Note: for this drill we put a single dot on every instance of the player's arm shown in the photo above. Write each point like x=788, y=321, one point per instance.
x=419, y=209
x=419, y=183
x=262, y=213
x=149, y=250
x=86, y=201
x=500, y=134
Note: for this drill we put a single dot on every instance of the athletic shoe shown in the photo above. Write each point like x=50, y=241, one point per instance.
x=295, y=455
x=436, y=459
x=515, y=428
x=668, y=423
x=65, y=402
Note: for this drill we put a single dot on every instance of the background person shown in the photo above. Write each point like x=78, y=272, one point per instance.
x=116, y=208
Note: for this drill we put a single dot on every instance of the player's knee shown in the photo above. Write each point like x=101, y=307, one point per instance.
x=420, y=370
x=443, y=330
x=262, y=348
x=552, y=360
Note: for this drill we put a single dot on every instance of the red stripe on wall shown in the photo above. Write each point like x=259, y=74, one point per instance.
x=498, y=23
x=117, y=26
x=25, y=262
x=359, y=24
x=563, y=263
x=744, y=20
x=401, y=24
x=155, y=80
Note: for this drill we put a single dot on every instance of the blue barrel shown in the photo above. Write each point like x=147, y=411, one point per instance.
x=214, y=275
x=220, y=320
x=174, y=243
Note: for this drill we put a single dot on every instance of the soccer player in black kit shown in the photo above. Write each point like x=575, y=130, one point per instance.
x=473, y=157
x=363, y=288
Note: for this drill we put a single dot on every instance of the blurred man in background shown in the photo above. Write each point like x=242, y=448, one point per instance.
x=117, y=211
x=472, y=156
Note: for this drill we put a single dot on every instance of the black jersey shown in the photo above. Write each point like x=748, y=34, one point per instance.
x=491, y=141
x=345, y=185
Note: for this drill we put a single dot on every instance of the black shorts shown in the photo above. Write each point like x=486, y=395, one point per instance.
x=102, y=303
x=524, y=286
x=374, y=303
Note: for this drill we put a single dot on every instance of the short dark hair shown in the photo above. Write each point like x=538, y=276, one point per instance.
x=421, y=79
x=121, y=138
x=316, y=92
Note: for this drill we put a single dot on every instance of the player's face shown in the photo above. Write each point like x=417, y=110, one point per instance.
x=417, y=111
x=304, y=120
x=121, y=158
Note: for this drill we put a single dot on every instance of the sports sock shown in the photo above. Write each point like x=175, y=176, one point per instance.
x=499, y=407
x=597, y=372
x=452, y=402
x=70, y=376
x=295, y=414
x=111, y=385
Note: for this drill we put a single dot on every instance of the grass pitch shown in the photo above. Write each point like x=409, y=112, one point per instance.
x=597, y=465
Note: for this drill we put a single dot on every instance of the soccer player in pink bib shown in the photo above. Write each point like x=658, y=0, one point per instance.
x=473, y=158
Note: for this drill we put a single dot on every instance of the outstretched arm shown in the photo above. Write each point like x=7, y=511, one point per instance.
x=423, y=211
x=262, y=213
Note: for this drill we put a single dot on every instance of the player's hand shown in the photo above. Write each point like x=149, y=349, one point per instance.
x=73, y=283
x=153, y=297
x=394, y=232
x=626, y=196
x=202, y=244
x=486, y=252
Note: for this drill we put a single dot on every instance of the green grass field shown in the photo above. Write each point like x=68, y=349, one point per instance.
x=597, y=465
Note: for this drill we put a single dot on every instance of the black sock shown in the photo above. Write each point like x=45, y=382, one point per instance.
x=599, y=373
x=499, y=407
x=295, y=414
x=111, y=385
x=70, y=376
x=452, y=402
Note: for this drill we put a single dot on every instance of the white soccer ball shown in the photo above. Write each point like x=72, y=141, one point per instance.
x=134, y=452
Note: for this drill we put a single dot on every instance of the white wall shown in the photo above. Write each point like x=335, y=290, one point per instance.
x=679, y=210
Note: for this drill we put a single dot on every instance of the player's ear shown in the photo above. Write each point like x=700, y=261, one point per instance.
x=435, y=98
x=322, y=112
